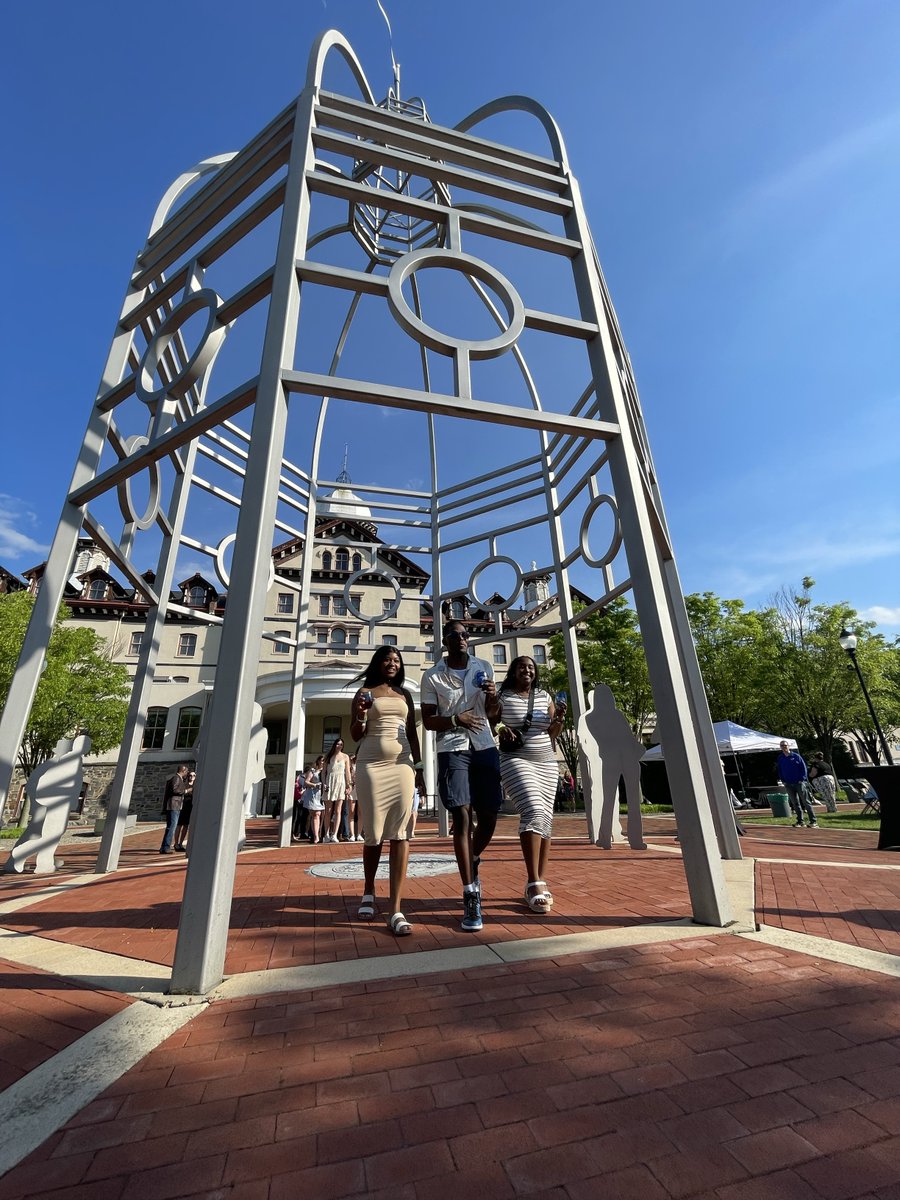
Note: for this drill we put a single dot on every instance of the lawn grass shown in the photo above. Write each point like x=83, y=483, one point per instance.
x=827, y=820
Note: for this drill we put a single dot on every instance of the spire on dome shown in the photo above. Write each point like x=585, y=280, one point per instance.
x=344, y=476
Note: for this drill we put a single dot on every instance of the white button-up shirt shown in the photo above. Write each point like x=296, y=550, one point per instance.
x=451, y=696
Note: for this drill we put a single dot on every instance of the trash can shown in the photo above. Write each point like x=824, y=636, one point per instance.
x=779, y=803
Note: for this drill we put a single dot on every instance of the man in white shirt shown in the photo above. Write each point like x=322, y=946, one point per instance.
x=459, y=702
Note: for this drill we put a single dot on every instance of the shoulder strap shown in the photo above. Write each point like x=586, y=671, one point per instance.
x=523, y=728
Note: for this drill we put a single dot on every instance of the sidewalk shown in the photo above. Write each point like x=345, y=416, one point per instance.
x=611, y=1048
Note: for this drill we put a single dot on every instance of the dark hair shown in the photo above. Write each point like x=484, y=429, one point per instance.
x=333, y=750
x=509, y=681
x=448, y=625
x=371, y=676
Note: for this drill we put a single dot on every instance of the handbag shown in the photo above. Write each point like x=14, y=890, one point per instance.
x=512, y=738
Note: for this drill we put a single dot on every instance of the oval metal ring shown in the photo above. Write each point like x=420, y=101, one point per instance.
x=499, y=605
x=123, y=491
x=616, y=540
x=222, y=571
x=385, y=616
x=445, y=343
x=206, y=350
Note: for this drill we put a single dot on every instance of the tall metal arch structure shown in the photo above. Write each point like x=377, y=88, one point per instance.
x=414, y=199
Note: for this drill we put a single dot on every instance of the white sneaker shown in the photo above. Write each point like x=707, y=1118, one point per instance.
x=360, y=838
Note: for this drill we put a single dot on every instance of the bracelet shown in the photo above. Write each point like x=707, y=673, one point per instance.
x=453, y=722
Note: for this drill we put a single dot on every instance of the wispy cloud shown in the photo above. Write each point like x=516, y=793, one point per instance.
x=889, y=618
x=15, y=518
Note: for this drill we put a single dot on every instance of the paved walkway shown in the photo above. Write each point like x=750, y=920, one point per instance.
x=609, y=1049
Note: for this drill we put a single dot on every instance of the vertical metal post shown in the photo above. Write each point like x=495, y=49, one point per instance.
x=706, y=882
x=203, y=928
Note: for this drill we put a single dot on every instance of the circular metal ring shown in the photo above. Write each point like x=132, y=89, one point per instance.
x=616, y=540
x=482, y=566
x=206, y=350
x=445, y=343
x=385, y=616
x=222, y=572
x=126, y=501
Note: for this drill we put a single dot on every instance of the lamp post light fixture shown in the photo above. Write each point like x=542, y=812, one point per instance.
x=848, y=642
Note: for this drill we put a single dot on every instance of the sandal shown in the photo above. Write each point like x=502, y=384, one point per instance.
x=366, y=909
x=539, y=901
x=399, y=926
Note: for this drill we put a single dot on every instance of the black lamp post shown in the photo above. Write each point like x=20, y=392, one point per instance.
x=848, y=642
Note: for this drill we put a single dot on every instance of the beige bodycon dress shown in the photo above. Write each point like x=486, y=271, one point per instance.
x=384, y=772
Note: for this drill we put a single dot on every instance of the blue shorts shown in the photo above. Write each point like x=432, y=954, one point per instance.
x=470, y=777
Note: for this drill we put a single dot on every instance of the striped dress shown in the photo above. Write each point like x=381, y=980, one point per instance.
x=530, y=775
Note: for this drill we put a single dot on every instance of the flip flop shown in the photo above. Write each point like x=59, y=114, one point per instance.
x=399, y=926
x=366, y=909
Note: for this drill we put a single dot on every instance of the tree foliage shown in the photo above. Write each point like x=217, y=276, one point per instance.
x=80, y=688
x=736, y=649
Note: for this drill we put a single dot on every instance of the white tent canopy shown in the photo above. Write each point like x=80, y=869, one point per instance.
x=733, y=739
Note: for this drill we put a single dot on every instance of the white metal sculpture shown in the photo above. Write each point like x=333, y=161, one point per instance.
x=216, y=363
x=610, y=753
x=54, y=788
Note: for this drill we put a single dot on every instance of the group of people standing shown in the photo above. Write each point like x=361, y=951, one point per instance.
x=796, y=777
x=325, y=808
x=178, y=803
x=468, y=713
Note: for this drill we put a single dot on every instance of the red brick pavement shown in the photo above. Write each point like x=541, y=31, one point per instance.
x=282, y=916
x=41, y=1015
x=710, y=1068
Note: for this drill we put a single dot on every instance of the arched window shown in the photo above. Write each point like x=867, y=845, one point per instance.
x=326, y=560
x=281, y=647
x=457, y=610
x=342, y=560
x=338, y=640
x=197, y=596
x=97, y=590
x=155, y=729
x=539, y=654
x=357, y=562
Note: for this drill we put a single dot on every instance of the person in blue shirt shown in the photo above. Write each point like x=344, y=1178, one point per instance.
x=792, y=773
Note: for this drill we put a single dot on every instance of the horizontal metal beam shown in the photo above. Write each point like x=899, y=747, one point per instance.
x=441, y=405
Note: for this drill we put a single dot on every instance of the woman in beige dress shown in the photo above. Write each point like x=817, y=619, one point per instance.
x=388, y=767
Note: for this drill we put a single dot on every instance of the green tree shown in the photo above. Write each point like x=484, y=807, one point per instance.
x=880, y=667
x=736, y=648
x=812, y=687
x=80, y=688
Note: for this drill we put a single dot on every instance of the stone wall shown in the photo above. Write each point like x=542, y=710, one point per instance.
x=146, y=796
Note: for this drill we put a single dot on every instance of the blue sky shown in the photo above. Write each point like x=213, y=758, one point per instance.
x=740, y=166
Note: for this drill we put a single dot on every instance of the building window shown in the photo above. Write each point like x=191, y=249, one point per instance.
x=324, y=602
x=331, y=731
x=281, y=647
x=389, y=639
x=97, y=590
x=338, y=607
x=386, y=605
x=353, y=645
x=321, y=641
x=457, y=610
x=277, y=731
x=429, y=650
x=134, y=646
x=155, y=729
x=539, y=654
x=188, y=728
x=357, y=562
x=326, y=560
x=197, y=596
x=499, y=656
x=187, y=645
x=339, y=640
x=285, y=602
x=342, y=560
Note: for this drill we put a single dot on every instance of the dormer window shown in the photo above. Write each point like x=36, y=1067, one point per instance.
x=326, y=560
x=457, y=610
x=97, y=590
x=357, y=562
x=342, y=560
x=196, y=596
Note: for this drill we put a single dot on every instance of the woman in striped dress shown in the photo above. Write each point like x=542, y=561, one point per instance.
x=530, y=773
